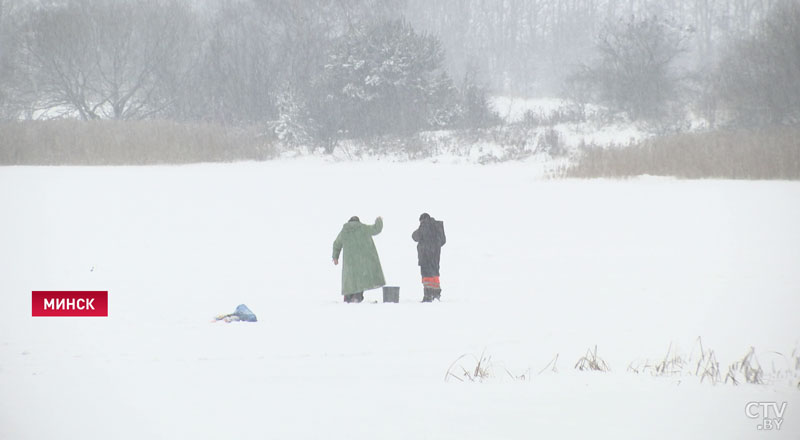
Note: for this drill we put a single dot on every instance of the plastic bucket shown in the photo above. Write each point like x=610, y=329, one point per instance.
x=391, y=294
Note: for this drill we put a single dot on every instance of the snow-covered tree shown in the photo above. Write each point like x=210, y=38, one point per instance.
x=476, y=111
x=294, y=126
x=386, y=78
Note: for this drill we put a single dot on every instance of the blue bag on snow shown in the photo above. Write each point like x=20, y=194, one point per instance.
x=244, y=314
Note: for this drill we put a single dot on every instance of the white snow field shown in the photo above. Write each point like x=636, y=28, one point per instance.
x=532, y=268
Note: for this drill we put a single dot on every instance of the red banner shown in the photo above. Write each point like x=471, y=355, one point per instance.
x=69, y=303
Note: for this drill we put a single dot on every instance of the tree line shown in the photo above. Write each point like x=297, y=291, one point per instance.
x=321, y=70
x=315, y=69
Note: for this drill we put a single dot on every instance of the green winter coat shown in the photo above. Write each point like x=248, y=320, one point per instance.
x=361, y=267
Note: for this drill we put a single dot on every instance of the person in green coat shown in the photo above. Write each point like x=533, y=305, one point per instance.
x=361, y=267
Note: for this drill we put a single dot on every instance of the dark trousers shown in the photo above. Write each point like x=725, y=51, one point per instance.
x=429, y=271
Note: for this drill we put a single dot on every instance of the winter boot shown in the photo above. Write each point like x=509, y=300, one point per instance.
x=436, y=294
x=354, y=297
x=427, y=295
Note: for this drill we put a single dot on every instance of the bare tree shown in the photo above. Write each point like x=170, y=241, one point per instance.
x=12, y=97
x=5, y=62
x=106, y=59
x=530, y=46
x=759, y=80
x=239, y=68
x=634, y=72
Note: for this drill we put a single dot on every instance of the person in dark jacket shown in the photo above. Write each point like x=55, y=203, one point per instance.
x=430, y=238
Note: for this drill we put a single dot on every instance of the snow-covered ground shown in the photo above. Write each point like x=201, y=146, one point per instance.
x=532, y=268
x=593, y=131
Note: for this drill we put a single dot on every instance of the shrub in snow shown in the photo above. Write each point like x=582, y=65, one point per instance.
x=591, y=362
x=700, y=363
x=672, y=364
x=550, y=142
x=294, y=125
x=475, y=108
x=478, y=371
x=746, y=369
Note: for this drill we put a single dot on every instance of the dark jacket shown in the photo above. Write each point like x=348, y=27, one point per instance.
x=430, y=238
